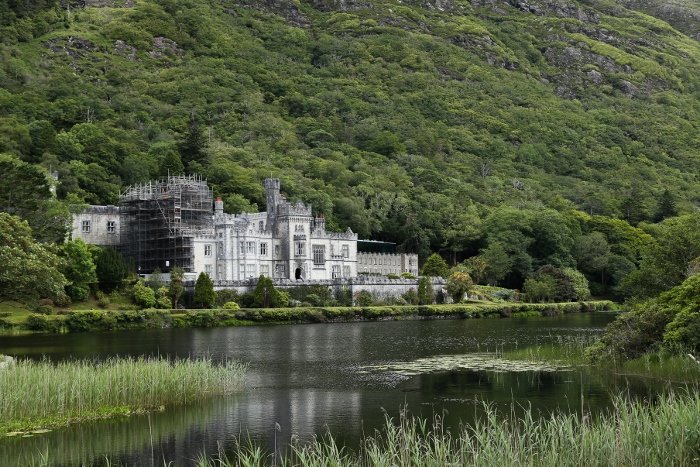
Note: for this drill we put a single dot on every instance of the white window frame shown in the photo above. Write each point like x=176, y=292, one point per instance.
x=86, y=226
x=265, y=270
x=263, y=249
x=250, y=248
x=300, y=248
x=335, y=271
x=111, y=227
x=207, y=250
x=345, y=249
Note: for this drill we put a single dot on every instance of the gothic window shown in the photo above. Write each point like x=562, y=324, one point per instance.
x=241, y=247
x=207, y=269
x=111, y=227
x=345, y=249
x=86, y=226
x=319, y=254
x=265, y=270
x=300, y=248
x=250, y=248
x=336, y=272
x=207, y=250
x=277, y=251
x=250, y=270
x=241, y=271
x=263, y=249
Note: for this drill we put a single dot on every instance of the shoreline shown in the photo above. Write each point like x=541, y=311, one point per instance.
x=114, y=320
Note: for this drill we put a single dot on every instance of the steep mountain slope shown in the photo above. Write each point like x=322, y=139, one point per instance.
x=409, y=121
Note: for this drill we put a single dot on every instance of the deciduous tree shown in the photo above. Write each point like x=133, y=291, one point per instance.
x=28, y=270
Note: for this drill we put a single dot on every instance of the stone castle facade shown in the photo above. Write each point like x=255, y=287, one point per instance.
x=285, y=243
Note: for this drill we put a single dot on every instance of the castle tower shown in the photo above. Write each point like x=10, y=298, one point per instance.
x=272, y=189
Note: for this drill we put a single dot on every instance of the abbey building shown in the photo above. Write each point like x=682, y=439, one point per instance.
x=171, y=223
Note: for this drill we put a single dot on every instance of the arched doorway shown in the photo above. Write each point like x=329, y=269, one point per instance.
x=297, y=274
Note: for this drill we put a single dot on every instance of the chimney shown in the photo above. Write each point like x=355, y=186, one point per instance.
x=218, y=206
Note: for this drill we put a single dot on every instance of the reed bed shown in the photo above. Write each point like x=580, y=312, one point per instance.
x=562, y=349
x=43, y=394
x=666, y=433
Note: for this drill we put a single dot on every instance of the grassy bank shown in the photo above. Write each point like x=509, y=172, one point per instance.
x=95, y=320
x=43, y=394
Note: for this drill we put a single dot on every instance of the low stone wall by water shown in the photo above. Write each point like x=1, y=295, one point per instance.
x=380, y=287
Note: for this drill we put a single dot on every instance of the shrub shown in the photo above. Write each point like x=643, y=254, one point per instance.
x=200, y=318
x=363, y=298
x=231, y=306
x=44, y=310
x=164, y=303
x=144, y=296
x=38, y=323
x=227, y=295
x=411, y=297
x=103, y=302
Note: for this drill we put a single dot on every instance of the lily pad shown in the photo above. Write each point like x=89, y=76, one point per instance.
x=475, y=361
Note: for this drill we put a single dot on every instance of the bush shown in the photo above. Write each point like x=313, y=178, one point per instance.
x=144, y=296
x=227, y=295
x=363, y=298
x=164, y=303
x=39, y=323
x=231, y=306
x=200, y=318
x=44, y=310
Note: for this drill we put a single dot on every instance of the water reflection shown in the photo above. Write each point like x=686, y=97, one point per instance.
x=306, y=380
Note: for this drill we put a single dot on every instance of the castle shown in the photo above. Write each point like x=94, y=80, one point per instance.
x=171, y=223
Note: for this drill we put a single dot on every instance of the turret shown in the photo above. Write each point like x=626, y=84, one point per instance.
x=272, y=190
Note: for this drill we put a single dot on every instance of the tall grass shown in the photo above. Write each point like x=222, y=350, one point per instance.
x=45, y=394
x=663, y=434
x=563, y=349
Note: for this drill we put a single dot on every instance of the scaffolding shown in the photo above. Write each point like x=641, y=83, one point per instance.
x=159, y=221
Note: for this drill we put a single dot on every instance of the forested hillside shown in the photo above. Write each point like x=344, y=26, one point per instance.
x=443, y=125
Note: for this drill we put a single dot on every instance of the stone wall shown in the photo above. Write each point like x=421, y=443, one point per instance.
x=380, y=287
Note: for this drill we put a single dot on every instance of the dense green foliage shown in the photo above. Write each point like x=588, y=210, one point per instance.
x=435, y=266
x=79, y=269
x=28, y=270
x=406, y=122
x=204, y=295
x=511, y=138
x=110, y=269
x=671, y=320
